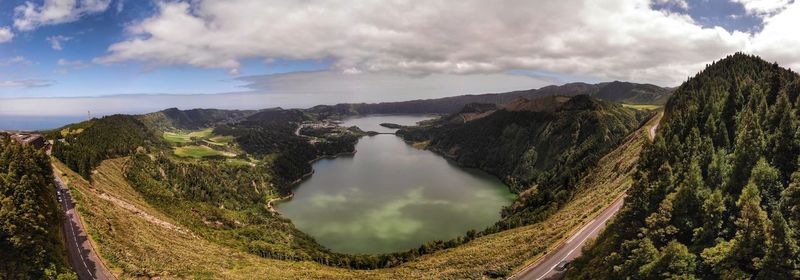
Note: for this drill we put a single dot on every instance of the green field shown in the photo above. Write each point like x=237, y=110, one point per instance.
x=222, y=139
x=642, y=106
x=178, y=137
x=199, y=152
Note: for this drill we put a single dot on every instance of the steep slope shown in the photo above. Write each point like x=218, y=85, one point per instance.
x=538, y=153
x=716, y=195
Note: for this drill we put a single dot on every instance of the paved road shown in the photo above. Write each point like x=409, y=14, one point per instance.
x=81, y=255
x=571, y=249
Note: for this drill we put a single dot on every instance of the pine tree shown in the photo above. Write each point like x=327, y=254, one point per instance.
x=768, y=180
x=781, y=261
x=783, y=144
x=751, y=231
x=674, y=262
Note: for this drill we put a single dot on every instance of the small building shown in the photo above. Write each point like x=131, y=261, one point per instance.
x=34, y=140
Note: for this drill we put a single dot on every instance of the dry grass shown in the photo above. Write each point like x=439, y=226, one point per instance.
x=137, y=248
x=642, y=106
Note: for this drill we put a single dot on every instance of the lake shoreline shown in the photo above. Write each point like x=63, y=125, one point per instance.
x=381, y=161
x=295, y=183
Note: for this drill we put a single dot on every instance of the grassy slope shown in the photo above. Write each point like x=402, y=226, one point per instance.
x=178, y=137
x=135, y=247
x=199, y=152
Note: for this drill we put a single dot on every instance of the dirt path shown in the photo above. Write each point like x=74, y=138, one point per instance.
x=653, y=128
x=147, y=217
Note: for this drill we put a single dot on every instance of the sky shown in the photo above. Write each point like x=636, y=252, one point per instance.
x=73, y=57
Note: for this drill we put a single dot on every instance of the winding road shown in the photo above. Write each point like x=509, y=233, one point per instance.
x=569, y=250
x=81, y=254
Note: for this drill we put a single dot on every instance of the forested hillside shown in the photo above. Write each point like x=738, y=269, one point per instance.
x=173, y=118
x=30, y=239
x=540, y=154
x=717, y=196
x=84, y=145
x=622, y=92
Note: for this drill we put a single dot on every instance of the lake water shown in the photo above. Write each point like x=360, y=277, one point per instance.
x=391, y=197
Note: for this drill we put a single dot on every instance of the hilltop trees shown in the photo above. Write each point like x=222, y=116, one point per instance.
x=100, y=139
x=729, y=205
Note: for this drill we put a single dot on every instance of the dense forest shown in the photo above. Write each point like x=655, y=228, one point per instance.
x=30, y=220
x=540, y=154
x=717, y=195
x=84, y=145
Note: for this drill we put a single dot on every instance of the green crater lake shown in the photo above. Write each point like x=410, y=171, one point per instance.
x=392, y=197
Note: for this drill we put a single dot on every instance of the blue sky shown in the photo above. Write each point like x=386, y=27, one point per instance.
x=302, y=53
x=88, y=38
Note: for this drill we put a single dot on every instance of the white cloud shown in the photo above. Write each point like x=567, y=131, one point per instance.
x=55, y=41
x=71, y=63
x=763, y=7
x=6, y=35
x=609, y=39
x=778, y=41
x=26, y=83
x=677, y=3
x=65, y=66
x=30, y=16
x=15, y=61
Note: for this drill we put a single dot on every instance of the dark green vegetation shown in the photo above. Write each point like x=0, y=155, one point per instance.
x=391, y=125
x=101, y=139
x=623, y=92
x=30, y=220
x=539, y=151
x=716, y=194
x=271, y=133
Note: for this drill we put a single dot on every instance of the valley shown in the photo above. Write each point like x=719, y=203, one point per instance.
x=393, y=140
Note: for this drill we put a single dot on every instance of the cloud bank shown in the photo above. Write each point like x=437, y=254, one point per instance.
x=26, y=83
x=610, y=39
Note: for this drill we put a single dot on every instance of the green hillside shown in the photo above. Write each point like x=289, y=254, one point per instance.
x=540, y=154
x=716, y=195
